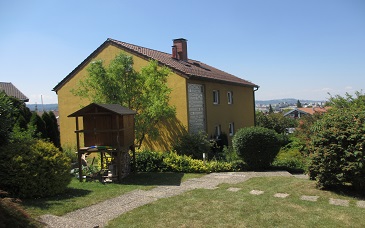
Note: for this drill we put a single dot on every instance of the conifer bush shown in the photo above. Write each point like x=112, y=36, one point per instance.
x=33, y=168
x=257, y=146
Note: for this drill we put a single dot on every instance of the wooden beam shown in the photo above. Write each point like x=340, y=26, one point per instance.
x=78, y=149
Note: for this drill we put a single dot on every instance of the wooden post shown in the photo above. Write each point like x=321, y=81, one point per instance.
x=133, y=149
x=119, y=153
x=78, y=148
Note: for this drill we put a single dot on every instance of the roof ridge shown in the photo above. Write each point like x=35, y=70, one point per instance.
x=187, y=69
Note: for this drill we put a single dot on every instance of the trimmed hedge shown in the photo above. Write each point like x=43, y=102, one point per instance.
x=257, y=146
x=150, y=161
x=33, y=168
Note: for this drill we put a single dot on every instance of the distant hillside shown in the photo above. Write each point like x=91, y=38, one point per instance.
x=40, y=107
x=286, y=100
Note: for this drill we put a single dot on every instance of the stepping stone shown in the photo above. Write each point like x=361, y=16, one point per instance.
x=233, y=189
x=360, y=203
x=256, y=192
x=339, y=202
x=309, y=198
x=281, y=195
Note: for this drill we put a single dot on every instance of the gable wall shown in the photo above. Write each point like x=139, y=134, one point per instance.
x=68, y=103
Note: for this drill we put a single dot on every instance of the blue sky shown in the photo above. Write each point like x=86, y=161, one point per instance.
x=290, y=48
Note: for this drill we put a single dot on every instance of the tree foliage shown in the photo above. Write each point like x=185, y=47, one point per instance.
x=274, y=121
x=7, y=120
x=53, y=134
x=145, y=92
x=338, y=143
x=299, y=105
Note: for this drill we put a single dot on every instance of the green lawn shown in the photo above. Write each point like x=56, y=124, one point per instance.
x=83, y=194
x=222, y=208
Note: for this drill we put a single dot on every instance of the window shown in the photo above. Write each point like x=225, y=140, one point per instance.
x=230, y=97
x=215, y=96
x=231, y=129
x=217, y=132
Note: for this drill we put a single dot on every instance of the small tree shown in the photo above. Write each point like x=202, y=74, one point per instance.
x=192, y=144
x=275, y=121
x=51, y=128
x=299, y=105
x=40, y=126
x=7, y=120
x=257, y=146
x=145, y=92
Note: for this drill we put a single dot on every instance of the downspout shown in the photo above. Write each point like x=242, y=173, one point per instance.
x=255, y=88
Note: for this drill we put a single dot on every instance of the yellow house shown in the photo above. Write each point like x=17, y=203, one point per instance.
x=206, y=99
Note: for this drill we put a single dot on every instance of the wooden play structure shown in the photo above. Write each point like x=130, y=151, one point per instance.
x=107, y=129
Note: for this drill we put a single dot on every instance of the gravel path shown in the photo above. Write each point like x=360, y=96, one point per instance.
x=99, y=214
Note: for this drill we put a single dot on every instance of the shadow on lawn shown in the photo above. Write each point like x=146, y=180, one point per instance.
x=48, y=202
x=150, y=179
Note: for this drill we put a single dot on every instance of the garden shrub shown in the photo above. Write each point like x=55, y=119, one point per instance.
x=33, y=168
x=257, y=146
x=149, y=161
x=292, y=159
x=292, y=156
x=338, y=146
x=192, y=144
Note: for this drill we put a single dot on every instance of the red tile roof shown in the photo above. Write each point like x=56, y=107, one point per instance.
x=314, y=110
x=191, y=69
x=12, y=91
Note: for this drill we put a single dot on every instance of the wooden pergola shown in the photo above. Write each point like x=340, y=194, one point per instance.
x=106, y=129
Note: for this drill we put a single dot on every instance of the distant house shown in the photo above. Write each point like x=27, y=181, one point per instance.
x=12, y=91
x=300, y=112
x=206, y=99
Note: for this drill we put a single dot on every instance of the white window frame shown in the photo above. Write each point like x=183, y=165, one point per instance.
x=215, y=96
x=231, y=129
x=230, y=97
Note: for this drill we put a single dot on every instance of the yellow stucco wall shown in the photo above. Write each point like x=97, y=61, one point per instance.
x=241, y=112
x=68, y=103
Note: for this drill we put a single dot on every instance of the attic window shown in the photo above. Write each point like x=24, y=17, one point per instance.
x=198, y=65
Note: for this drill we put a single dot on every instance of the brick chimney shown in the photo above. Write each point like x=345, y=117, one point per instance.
x=180, y=49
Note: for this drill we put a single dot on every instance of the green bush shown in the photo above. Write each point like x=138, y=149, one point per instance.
x=257, y=146
x=33, y=168
x=338, y=146
x=192, y=144
x=292, y=156
x=149, y=161
x=292, y=159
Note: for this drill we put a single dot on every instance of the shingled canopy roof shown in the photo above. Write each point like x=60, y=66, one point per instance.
x=12, y=91
x=113, y=108
x=191, y=69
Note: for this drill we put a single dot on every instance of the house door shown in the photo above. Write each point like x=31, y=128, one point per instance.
x=196, y=108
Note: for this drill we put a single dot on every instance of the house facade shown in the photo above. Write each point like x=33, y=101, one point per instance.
x=206, y=99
